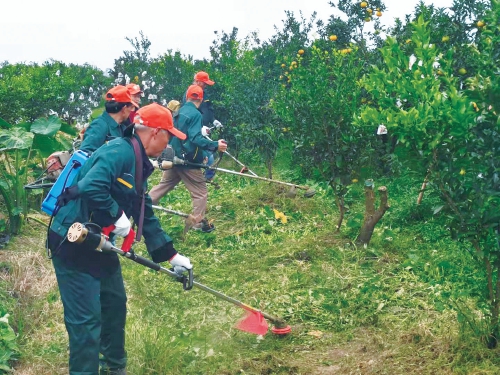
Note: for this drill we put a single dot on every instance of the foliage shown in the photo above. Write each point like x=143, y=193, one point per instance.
x=8, y=345
x=419, y=99
x=162, y=78
x=23, y=149
x=241, y=98
x=32, y=91
x=318, y=97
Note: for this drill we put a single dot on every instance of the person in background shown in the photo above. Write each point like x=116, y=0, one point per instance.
x=90, y=282
x=189, y=121
x=206, y=109
x=136, y=94
x=110, y=124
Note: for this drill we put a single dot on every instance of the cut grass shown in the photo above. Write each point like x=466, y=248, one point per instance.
x=386, y=309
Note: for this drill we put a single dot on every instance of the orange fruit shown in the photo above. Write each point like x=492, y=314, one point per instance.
x=445, y=39
x=333, y=37
x=368, y=19
x=363, y=4
x=480, y=24
x=462, y=71
x=379, y=14
x=301, y=51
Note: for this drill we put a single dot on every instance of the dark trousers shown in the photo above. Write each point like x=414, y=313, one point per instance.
x=94, y=313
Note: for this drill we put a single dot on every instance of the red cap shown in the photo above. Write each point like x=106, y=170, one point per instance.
x=134, y=88
x=203, y=77
x=118, y=94
x=194, y=92
x=155, y=116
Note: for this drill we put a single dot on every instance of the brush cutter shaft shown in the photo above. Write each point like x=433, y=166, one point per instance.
x=236, y=302
x=262, y=178
x=240, y=163
x=236, y=160
x=171, y=211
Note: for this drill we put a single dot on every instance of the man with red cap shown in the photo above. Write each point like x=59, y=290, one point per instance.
x=108, y=189
x=189, y=122
x=136, y=94
x=118, y=107
x=208, y=118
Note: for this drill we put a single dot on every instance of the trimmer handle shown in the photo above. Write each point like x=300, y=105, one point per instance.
x=127, y=242
x=186, y=280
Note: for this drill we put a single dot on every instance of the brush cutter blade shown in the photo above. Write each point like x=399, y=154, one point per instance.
x=253, y=322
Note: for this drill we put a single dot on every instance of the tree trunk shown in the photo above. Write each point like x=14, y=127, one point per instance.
x=372, y=216
x=341, y=206
x=269, y=165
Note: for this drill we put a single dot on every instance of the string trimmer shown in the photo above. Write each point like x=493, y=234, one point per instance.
x=254, y=322
x=168, y=160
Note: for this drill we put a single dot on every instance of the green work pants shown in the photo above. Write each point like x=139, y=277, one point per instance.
x=94, y=313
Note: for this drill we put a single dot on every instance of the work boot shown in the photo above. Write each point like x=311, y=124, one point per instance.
x=212, y=182
x=120, y=371
x=204, y=226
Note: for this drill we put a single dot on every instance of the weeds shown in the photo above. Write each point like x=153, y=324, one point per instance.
x=405, y=304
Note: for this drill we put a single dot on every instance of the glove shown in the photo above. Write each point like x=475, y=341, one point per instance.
x=122, y=226
x=67, y=195
x=217, y=124
x=180, y=263
x=205, y=131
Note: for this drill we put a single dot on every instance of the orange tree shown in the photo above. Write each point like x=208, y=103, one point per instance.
x=457, y=139
x=241, y=97
x=316, y=102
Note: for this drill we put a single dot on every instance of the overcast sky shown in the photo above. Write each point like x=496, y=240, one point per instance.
x=94, y=31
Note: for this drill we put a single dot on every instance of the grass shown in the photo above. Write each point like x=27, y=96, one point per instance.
x=408, y=303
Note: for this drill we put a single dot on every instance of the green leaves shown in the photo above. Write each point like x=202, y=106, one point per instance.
x=15, y=139
x=44, y=126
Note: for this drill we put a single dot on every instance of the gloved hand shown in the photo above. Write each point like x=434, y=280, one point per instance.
x=217, y=124
x=180, y=263
x=122, y=226
x=205, y=131
x=67, y=195
x=222, y=145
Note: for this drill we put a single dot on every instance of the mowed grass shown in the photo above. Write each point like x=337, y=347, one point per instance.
x=390, y=308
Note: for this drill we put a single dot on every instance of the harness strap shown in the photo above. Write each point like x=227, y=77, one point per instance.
x=139, y=184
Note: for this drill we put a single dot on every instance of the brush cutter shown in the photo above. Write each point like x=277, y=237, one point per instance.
x=168, y=161
x=190, y=221
x=254, y=322
x=244, y=167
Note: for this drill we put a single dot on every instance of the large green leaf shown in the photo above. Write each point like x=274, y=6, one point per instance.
x=47, y=145
x=15, y=139
x=46, y=126
x=69, y=129
x=4, y=124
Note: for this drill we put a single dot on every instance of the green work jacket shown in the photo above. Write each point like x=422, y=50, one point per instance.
x=102, y=129
x=206, y=109
x=106, y=186
x=188, y=121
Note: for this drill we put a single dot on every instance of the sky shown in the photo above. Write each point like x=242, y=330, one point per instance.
x=94, y=31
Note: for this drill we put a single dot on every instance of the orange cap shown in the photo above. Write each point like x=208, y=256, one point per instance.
x=155, y=116
x=203, y=77
x=194, y=92
x=134, y=88
x=118, y=94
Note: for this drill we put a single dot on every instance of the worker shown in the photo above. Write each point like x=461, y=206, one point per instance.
x=189, y=121
x=109, y=125
x=107, y=190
